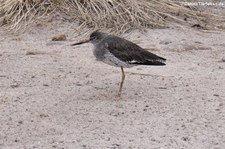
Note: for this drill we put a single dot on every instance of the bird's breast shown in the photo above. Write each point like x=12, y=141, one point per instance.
x=98, y=52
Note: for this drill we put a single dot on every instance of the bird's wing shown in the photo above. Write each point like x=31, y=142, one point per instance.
x=130, y=52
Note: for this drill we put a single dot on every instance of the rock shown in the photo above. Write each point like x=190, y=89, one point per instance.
x=223, y=59
x=61, y=37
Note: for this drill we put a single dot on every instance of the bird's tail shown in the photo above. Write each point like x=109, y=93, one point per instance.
x=154, y=63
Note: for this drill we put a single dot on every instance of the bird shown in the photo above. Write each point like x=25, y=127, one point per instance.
x=119, y=52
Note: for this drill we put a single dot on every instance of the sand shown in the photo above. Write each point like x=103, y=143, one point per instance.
x=53, y=95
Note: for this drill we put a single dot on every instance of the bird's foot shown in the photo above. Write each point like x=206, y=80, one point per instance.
x=117, y=97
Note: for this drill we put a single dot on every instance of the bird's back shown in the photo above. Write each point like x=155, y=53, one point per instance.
x=129, y=52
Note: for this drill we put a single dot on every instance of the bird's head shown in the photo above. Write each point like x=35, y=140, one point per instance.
x=94, y=38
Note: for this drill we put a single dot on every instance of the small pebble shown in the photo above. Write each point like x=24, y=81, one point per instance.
x=36, y=53
x=20, y=122
x=165, y=42
x=14, y=85
x=223, y=59
x=16, y=140
x=216, y=95
x=61, y=37
x=45, y=85
x=185, y=139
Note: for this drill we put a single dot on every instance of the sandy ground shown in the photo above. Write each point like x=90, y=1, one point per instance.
x=63, y=98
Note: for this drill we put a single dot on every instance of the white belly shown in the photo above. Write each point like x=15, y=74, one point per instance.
x=108, y=58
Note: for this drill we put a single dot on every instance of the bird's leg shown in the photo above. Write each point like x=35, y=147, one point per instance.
x=121, y=83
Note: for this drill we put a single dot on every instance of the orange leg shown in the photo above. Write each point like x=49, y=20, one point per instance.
x=121, y=83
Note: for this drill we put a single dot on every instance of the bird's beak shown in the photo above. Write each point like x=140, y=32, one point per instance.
x=85, y=41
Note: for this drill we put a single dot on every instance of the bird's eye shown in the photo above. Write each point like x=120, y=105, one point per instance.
x=93, y=38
